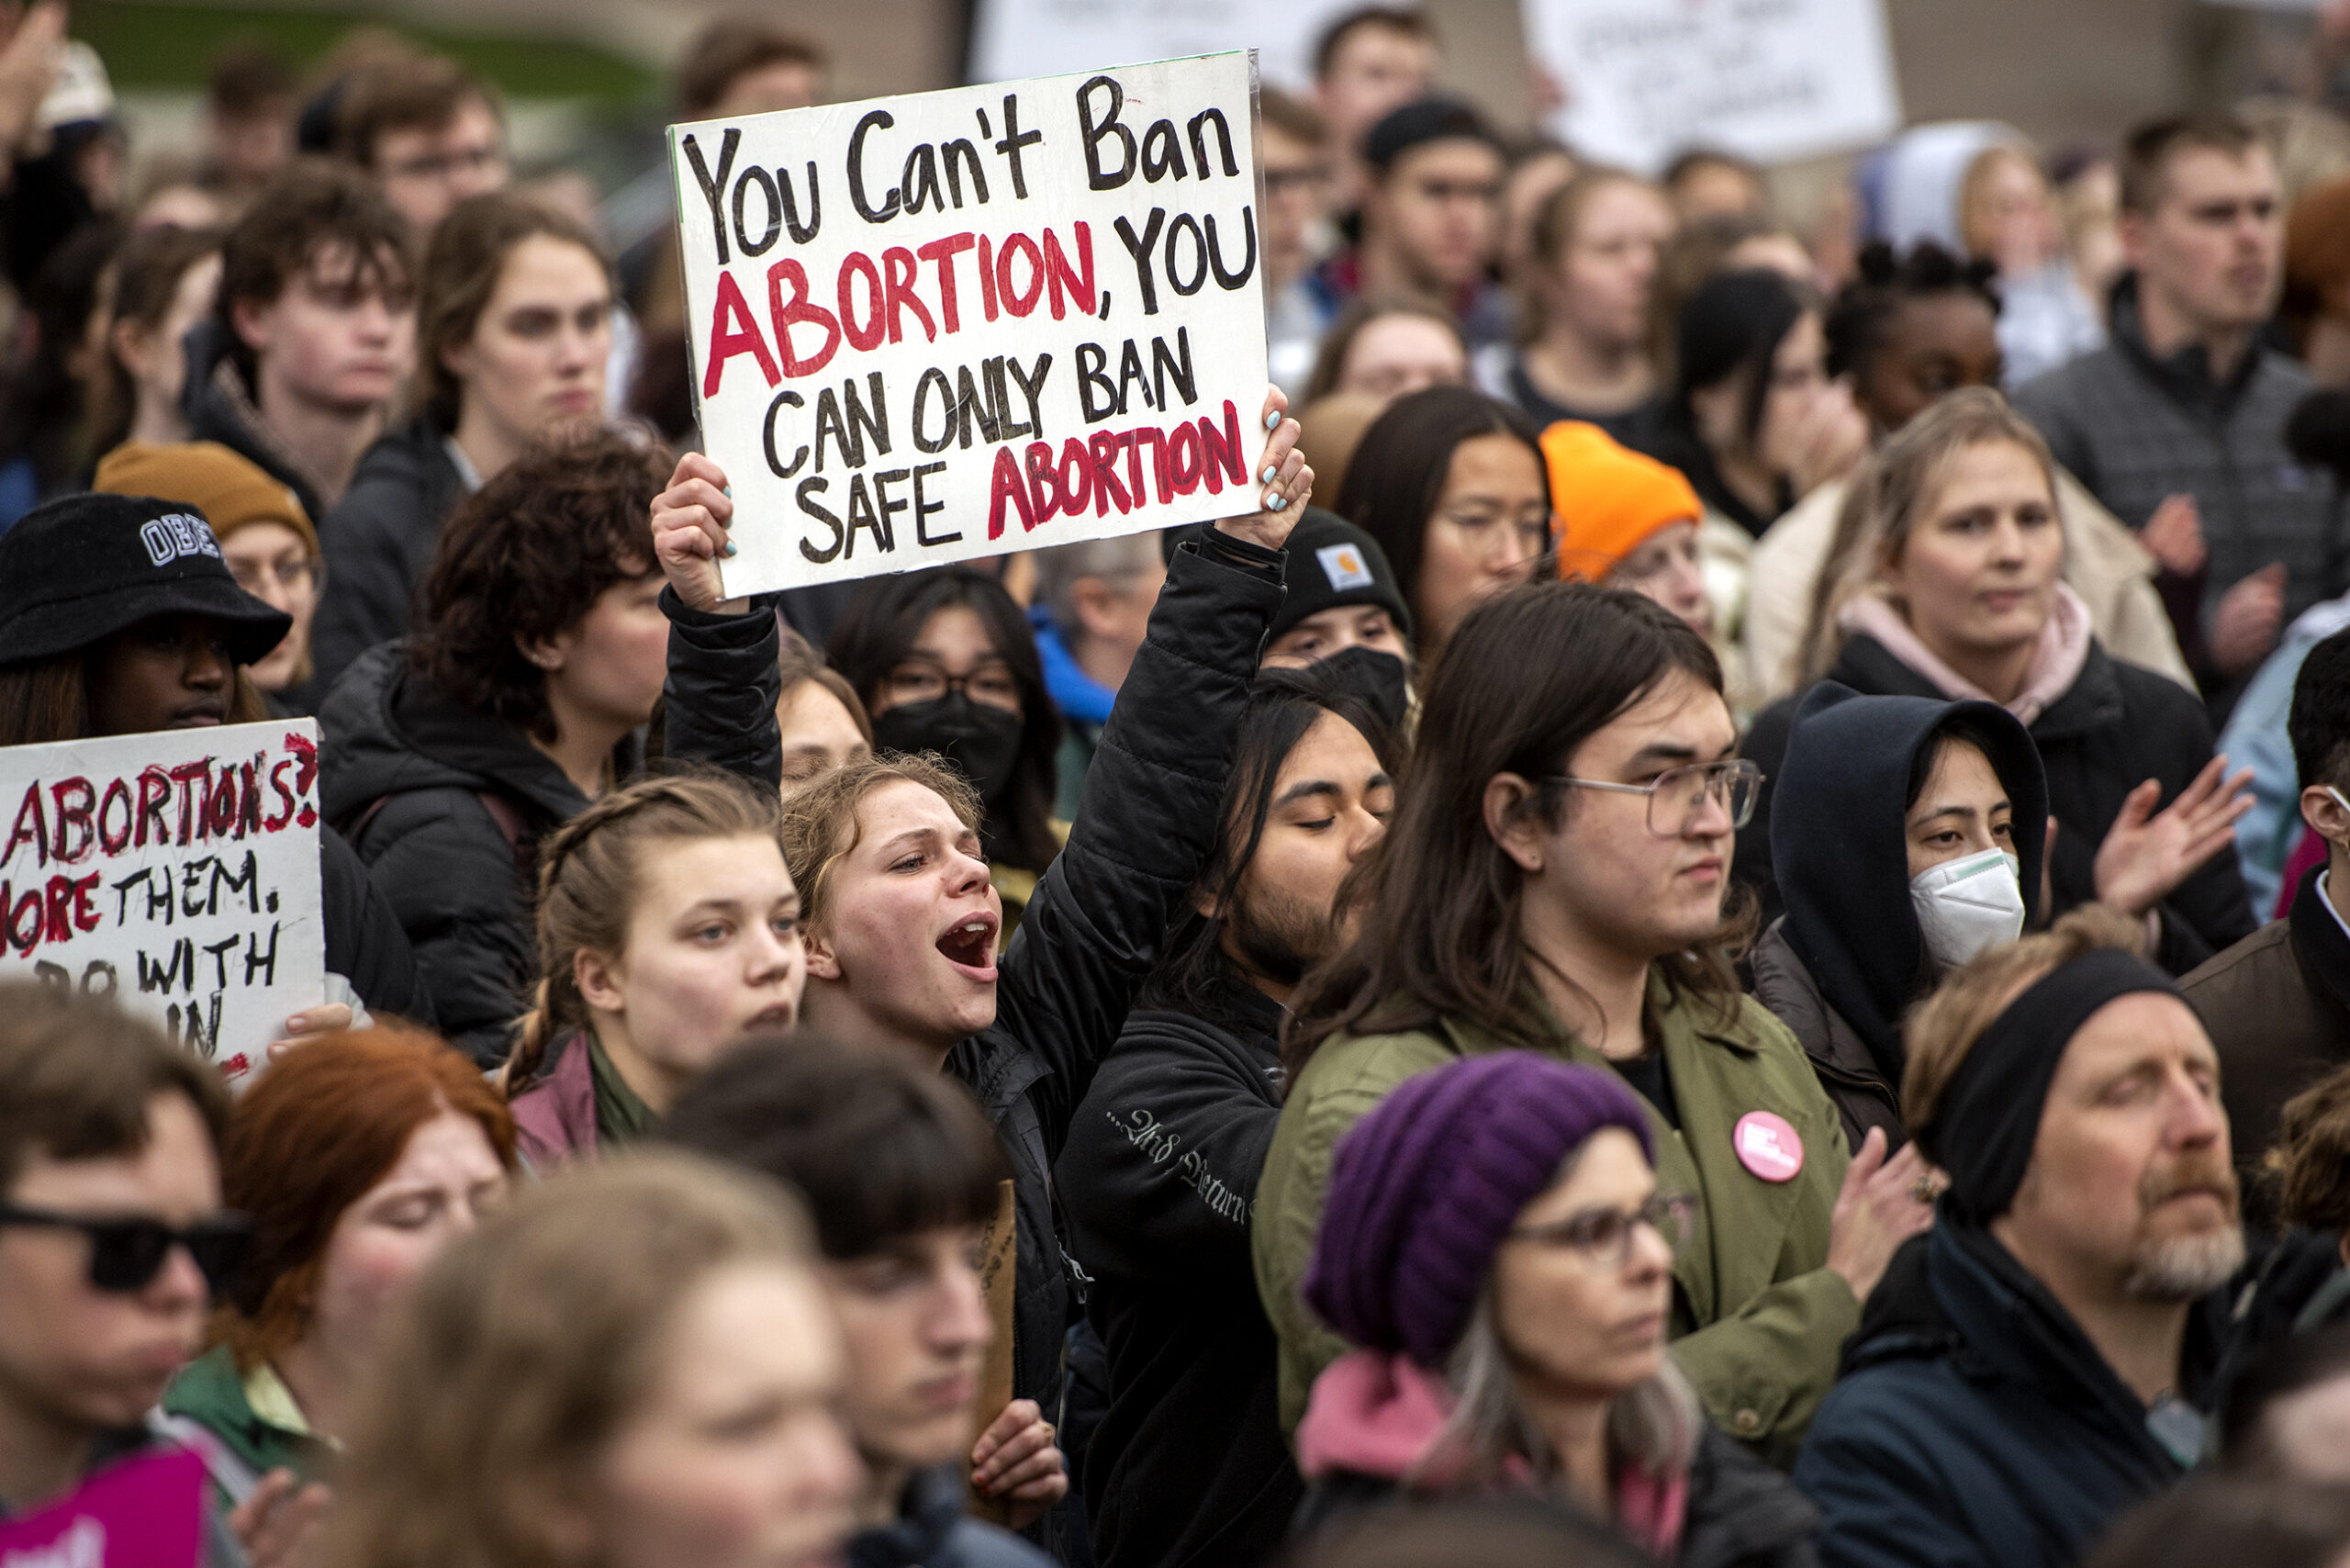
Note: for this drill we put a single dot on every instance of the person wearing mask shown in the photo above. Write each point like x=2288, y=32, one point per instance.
x=1452, y=487
x=901, y=925
x=96, y=639
x=448, y=756
x=1369, y=62
x=313, y=335
x=514, y=328
x=1554, y=879
x=1388, y=347
x=358, y=1160
x=1500, y=1252
x=1949, y=589
x=1294, y=145
x=165, y=281
x=668, y=928
x=2276, y=1005
x=1093, y=610
x=2038, y=1364
x=268, y=542
x=1907, y=330
x=1881, y=899
x=1189, y=1465
x=1349, y=599
x=113, y=1243
x=1430, y=217
x=944, y=662
x=901, y=1173
x=2187, y=400
x=1752, y=417
x=1583, y=349
x=632, y=1366
x=820, y=724
x=428, y=132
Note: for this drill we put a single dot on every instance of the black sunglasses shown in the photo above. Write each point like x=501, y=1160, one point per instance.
x=127, y=1254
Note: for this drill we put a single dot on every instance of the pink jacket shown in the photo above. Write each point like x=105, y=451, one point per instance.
x=555, y=1118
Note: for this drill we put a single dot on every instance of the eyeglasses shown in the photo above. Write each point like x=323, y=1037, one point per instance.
x=920, y=681
x=1603, y=1237
x=127, y=1254
x=288, y=575
x=1677, y=797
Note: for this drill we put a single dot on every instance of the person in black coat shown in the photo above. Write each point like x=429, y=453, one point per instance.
x=1025, y=1030
x=1946, y=584
x=1875, y=796
x=447, y=758
x=513, y=332
x=1190, y=1466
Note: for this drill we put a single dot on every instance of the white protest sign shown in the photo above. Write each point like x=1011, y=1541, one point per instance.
x=947, y=325
x=1033, y=37
x=1770, y=80
x=178, y=872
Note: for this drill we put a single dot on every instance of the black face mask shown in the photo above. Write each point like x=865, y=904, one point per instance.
x=1379, y=679
x=982, y=743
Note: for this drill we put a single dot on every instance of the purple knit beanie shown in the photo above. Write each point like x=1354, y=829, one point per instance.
x=1423, y=1188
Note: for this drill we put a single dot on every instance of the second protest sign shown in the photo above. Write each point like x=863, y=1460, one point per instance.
x=952, y=324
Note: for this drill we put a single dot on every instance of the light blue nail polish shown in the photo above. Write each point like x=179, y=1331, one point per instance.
x=1273, y=420
x=1277, y=502
x=1268, y=475
x=730, y=548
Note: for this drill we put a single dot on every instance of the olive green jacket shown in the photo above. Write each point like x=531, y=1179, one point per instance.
x=1757, y=1316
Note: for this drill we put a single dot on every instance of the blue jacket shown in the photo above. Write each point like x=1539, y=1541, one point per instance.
x=1976, y=1426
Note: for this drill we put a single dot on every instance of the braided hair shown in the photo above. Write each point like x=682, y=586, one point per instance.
x=588, y=878
x=1865, y=307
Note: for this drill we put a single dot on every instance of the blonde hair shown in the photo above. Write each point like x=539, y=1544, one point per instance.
x=1891, y=491
x=590, y=872
x=526, y=1346
x=820, y=822
x=1944, y=1027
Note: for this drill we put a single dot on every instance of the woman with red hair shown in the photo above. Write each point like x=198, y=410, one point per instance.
x=359, y=1158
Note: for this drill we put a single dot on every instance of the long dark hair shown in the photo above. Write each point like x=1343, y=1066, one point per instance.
x=1398, y=471
x=48, y=700
x=1193, y=975
x=1528, y=675
x=880, y=627
x=1734, y=324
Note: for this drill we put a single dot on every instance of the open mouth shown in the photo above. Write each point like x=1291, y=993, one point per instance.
x=971, y=945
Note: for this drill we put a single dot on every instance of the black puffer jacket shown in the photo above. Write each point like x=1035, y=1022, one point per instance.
x=378, y=540
x=1092, y=931
x=409, y=776
x=1157, y=1180
x=218, y=403
x=2117, y=727
x=365, y=943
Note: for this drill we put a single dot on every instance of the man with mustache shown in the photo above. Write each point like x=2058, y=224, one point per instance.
x=2034, y=1365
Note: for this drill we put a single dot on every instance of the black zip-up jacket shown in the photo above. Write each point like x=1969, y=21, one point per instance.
x=218, y=403
x=1092, y=931
x=378, y=541
x=404, y=773
x=2117, y=727
x=1157, y=1180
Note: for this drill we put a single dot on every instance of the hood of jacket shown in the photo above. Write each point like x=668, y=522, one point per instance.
x=1841, y=853
x=391, y=731
x=218, y=403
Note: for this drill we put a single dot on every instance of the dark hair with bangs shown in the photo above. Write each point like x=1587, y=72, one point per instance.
x=1527, y=676
x=524, y=557
x=880, y=1147
x=310, y=210
x=1193, y=975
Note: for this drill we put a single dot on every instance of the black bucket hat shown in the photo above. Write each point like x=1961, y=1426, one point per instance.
x=78, y=570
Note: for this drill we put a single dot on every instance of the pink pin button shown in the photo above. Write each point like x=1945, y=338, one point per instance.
x=1768, y=1147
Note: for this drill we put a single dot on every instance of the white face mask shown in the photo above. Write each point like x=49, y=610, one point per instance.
x=1967, y=905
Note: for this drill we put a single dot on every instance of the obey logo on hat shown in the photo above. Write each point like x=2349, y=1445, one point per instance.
x=175, y=534
x=1344, y=565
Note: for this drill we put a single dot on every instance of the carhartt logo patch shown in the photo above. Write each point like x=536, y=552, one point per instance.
x=1344, y=565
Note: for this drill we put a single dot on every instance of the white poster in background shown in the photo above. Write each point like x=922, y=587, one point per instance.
x=1771, y=80
x=1031, y=37
x=947, y=325
x=178, y=872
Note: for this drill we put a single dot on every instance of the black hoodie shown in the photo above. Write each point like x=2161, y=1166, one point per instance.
x=1841, y=859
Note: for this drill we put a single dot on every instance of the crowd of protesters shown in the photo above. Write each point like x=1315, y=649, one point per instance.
x=1699, y=942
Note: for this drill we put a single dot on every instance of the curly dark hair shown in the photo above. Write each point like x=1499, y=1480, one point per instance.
x=525, y=558
x=1855, y=323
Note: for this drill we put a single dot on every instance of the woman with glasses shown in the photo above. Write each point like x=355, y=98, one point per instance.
x=265, y=537
x=1451, y=485
x=1946, y=582
x=943, y=662
x=1556, y=879
x=1500, y=1251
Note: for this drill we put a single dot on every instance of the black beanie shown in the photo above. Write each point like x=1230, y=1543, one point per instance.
x=1333, y=563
